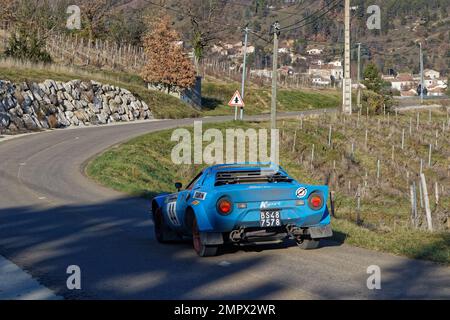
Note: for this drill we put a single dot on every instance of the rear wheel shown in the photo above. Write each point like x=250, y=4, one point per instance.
x=162, y=232
x=201, y=249
x=308, y=244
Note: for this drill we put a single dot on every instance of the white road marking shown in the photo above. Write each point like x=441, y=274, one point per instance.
x=224, y=263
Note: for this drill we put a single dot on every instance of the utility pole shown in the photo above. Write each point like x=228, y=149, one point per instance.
x=421, y=73
x=273, y=114
x=359, y=76
x=347, y=83
x=244, y=71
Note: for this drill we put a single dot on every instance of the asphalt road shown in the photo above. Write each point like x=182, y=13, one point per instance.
x=52, y=216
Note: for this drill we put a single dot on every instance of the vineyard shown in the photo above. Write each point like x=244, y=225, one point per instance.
x=371, y=164
x=71, y=50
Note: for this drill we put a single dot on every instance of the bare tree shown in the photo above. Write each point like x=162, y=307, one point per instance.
x=94, y=16
x=207, y=20
x=30, y=22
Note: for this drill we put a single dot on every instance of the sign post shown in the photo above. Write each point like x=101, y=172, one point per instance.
x=237, y=102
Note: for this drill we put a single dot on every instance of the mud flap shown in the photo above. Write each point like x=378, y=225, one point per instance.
x=321, y=232
x=211, y=238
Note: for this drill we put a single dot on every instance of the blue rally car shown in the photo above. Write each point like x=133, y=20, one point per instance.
x=242, y=204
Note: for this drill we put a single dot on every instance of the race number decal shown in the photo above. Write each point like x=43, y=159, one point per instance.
x=172, y=213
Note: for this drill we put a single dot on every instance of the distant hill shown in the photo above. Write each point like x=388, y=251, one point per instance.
x=307, y=23
x=403, y=22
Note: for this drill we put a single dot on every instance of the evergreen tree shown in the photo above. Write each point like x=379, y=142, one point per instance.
x=372, y=79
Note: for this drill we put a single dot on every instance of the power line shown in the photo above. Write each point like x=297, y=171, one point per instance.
x=227, y=25
x=184, y=14
x=294, y=26
x=299, y=7
x=279, y=10
x=260, y=37
x=251, y=5
x=316, y=18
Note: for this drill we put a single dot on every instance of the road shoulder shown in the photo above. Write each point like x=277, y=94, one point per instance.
x=16, y=284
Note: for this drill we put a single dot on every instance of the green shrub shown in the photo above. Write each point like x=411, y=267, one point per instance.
x=376, y=103
x=27, y=46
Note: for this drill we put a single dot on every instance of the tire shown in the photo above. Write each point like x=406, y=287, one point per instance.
x=162, y=232
x=201, y=249
x=308, y=244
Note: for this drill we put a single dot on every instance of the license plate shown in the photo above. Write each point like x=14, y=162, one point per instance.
x=270, y=219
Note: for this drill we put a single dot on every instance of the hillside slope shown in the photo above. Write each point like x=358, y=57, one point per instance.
x=403, y=22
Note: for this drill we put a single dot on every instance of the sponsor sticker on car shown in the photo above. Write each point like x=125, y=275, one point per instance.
x=199, y=195
x=301, y=192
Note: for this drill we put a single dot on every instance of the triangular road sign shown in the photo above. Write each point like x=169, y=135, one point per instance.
x=236, y=100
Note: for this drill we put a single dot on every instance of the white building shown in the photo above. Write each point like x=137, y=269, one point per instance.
x=261, y=73
x=320, y=81
x=250, y=50
x=315, y=52
x=431, y=74
x=327, y=71
x=283, y=50
x=335, y=63
x=317, y=62
x=435, y=82
x=403, y=82
x=436, y=91
x=428, y=82
x=297, y=57
x=442, y=82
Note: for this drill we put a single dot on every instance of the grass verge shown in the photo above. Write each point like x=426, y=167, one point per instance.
x=258, y=100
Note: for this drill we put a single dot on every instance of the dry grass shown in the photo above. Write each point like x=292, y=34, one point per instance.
x=14, y=67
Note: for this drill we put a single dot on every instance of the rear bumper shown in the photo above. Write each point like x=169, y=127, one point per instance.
x=299, y=219
x=257, y=235
x=254, y=234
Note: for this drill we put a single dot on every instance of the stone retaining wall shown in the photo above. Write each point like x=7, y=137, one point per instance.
x=52, y=104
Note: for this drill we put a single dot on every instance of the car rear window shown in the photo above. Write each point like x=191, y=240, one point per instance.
x=249, y=177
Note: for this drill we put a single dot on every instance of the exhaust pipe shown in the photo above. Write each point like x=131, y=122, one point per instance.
x=236, y=235
x=294, y=231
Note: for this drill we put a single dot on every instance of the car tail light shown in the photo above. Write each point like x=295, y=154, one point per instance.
x=224, y=206
x=315, y=201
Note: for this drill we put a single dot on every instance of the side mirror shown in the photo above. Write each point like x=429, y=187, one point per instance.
x=178, y=185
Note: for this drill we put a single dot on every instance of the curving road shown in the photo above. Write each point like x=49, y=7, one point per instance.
x=52, y=216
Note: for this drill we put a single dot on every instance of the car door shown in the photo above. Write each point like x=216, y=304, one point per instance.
x=186, y=195
x=171, y=212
